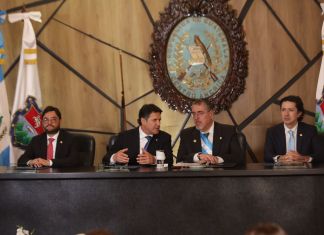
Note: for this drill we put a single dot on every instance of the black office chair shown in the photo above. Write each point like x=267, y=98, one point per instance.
x=319, y=148
x=86, y=145
x=242, y=141
x=111, y=141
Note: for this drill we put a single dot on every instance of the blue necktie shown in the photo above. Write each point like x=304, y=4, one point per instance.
x=148, y=142
x=207, y=144
x=291, y=141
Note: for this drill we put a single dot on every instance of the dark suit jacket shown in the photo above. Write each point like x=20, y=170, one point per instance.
x=130, y=139
x=225, y=144
x=65, y=154
x=276, y=141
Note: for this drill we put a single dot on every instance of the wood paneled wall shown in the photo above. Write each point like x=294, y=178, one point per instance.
x=283, y=39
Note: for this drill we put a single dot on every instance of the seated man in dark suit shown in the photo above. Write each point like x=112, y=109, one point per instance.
x=291, y=140
x=208, y=141
x=139, y=145
x=54, y=147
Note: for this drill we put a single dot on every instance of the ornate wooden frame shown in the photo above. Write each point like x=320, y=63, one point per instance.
x=220, y=12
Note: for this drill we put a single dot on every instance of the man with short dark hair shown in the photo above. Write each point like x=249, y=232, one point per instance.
x=292, y=140
x=55, y=147
x=138, y=146
x=208, y=141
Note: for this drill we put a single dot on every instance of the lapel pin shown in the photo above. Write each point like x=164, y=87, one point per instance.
x=61, y=142
x=300, y=134
x=194, y=141
x=220, y=138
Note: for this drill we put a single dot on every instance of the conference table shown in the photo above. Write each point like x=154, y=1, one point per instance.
x=146, y=200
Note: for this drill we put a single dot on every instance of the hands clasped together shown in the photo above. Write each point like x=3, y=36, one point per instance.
x=39, y=162
x=293, y=156
x=207, y=159
x=143, y=158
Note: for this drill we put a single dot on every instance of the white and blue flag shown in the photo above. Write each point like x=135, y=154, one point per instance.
x=4, y=108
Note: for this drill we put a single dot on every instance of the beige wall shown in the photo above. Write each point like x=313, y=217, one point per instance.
x=273, y=61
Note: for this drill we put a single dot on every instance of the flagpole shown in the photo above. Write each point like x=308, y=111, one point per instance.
x=122, y=110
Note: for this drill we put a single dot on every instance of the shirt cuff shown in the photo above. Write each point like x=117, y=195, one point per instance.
x=276, y=158
x=112, y=159
x=50, y=162
x=220, y=160
x=195, y=158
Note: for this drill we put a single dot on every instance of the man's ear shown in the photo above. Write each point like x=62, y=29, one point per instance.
x=142, y=120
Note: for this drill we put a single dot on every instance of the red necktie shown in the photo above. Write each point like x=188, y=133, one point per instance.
x=50, y=149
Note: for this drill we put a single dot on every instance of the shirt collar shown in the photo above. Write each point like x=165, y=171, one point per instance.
x=210, y=130
x=142, y=133
x=54, y=136
x=294, y=129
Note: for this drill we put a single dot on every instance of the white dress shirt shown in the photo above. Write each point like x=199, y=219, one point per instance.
x=294, y=130
x=142, y=140
x=287, y=136
x=211, y=139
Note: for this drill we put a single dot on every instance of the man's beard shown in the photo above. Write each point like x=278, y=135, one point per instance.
x=51, y=132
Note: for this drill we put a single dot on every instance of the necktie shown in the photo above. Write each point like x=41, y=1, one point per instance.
x=50, y=149
x=148, y=142
x=207, y=146
x=291, y=141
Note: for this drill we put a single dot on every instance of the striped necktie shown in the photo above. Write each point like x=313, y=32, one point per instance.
x=206, y=145
x=148, y=142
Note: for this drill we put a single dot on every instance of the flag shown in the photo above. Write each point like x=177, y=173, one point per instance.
x=319, y=112
x=26, y=113
x=4, y=108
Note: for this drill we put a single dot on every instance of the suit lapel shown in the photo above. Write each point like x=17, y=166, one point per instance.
x=43, y=146
x=300, y=131
x=136, y=141
x=282, y=138
x=59, y=145
x=154, y=144
x=217, y=139
x=196, y=141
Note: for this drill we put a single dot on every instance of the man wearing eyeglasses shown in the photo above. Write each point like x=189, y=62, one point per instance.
x=208, y=141
x=55, y=147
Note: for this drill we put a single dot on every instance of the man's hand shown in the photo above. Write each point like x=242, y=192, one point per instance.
x=293, y=156
x=39, y=162
x=121, y=156
x=145, y=158
x=208, y=159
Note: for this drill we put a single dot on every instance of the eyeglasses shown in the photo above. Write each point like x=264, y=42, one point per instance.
x=199, y=114
x=47, y=120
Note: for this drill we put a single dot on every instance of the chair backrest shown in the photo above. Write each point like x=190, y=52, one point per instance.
x=111, y=141
x=242, y=141
x=318, y=148
x=86, y=145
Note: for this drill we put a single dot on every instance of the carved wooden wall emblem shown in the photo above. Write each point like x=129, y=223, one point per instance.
x=198, y=52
